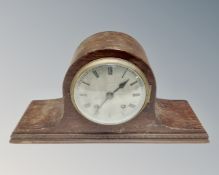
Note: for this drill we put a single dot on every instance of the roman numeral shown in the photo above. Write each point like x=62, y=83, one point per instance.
x=87, y=105
x=132, y=105
x=131, y=84
x=95, y=73
x=135, y=94
x=110, y=70
x=124, y=72
x=123, y=106
x=83, y=95
x=86, y=83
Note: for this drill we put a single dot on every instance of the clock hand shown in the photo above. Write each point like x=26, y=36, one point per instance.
x=99, y=106
x=103, y=102
x=121, y=85
x=109, y=95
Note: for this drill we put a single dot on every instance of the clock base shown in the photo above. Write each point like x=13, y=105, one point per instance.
x=178, y=124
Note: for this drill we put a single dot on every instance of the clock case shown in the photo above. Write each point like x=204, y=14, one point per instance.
x=57, y=121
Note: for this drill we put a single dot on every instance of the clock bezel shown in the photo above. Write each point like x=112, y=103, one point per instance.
x=104, y=61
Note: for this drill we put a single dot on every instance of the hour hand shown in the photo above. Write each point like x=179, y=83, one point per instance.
x=121, y=85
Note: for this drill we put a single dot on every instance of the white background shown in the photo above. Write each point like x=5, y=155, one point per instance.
x=37, y=41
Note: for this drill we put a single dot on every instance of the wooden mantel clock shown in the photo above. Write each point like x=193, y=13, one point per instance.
x=109, y=95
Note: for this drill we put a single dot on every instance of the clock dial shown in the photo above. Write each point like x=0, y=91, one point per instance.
x=109, y=91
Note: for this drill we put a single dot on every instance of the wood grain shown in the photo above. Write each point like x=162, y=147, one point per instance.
x=181, y=125
x=57, y=121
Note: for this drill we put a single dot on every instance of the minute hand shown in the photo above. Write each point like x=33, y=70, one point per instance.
x=121, y=85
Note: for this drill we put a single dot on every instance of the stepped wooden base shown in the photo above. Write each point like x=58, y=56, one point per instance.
x=41, y=124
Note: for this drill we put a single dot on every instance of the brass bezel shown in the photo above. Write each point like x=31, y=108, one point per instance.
x=110, y=60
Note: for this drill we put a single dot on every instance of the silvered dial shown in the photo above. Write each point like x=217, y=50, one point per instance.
x=109, y=91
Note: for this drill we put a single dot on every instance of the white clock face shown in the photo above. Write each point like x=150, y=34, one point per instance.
x=109, y=91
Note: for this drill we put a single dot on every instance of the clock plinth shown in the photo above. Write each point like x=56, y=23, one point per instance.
x=43, y=123
x=160, y=121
